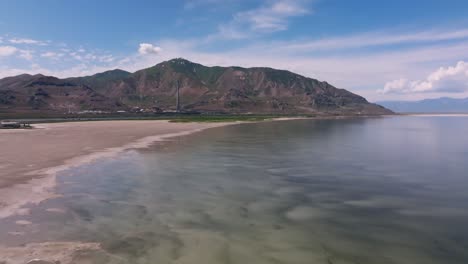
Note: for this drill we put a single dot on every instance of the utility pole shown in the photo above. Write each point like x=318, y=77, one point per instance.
x=177, y=97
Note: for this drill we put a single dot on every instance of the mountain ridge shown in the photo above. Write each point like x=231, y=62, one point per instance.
x=202, y=88
x=435, y=105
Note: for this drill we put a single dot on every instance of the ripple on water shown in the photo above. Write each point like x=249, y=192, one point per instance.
x=321, y=192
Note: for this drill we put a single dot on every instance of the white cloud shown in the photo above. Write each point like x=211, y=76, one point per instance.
x=229, y=32
x=106, y=58
x=7, y=51
x=358, y=72
x=361, y=72
x=146, y=48
x=395, y=85
x=375, y=39
x=90, y=56
x=52, y=55
x=49, y=54
x=76, y=56
x=26, y=54
x=273, y=17
x=453, y=79
x=266, y=19
x=27, y=41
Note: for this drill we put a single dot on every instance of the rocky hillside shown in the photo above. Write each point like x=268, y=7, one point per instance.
x=25, y=93
x=201, y=88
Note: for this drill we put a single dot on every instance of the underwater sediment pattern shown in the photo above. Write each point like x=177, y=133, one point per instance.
x=378, y=190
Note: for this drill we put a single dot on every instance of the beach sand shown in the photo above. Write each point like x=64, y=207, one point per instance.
x=29, y=159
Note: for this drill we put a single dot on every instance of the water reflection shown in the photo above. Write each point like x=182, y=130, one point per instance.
x=385, y=190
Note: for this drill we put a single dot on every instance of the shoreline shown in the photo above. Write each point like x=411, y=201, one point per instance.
x=436, y=114
x=42, y=186
x=37, y=185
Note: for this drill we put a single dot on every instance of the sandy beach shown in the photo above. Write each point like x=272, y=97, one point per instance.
x=29, y=159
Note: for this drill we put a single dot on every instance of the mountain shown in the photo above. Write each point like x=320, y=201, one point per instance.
x=26, y=93
x=439, y=105
x=201, y=88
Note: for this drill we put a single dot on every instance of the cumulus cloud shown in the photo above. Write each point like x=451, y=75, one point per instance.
x=453, y=79
x=7, y=51
x=146, y=48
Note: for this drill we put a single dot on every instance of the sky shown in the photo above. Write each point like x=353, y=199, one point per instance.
x=382, y=50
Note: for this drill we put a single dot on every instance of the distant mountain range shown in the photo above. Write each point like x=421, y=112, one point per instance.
x=201, y=88
x=439, y=105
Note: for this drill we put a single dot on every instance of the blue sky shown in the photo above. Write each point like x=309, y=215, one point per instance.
x=380, y=49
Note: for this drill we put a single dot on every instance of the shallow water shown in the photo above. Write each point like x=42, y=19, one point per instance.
x=376, y=190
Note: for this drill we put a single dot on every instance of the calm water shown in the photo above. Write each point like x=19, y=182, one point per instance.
x=377, y=190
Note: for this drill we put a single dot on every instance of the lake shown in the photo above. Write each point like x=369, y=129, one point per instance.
x=360, y=190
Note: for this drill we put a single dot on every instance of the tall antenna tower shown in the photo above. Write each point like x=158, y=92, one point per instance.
x=177, y=97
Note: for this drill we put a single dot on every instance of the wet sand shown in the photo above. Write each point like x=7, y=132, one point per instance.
x=29, y=159
x=54, y=252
